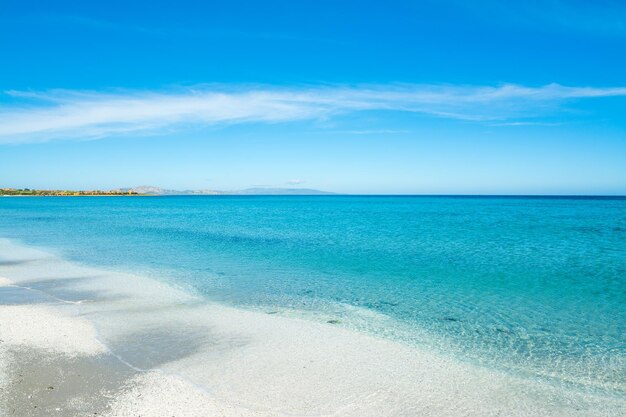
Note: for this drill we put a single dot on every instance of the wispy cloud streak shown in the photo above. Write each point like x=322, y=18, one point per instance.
x=63, y=114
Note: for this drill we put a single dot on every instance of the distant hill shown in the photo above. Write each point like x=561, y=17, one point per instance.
x=280, y=191
x=148, y=189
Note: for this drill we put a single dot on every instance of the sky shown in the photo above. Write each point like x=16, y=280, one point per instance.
x=394, y=97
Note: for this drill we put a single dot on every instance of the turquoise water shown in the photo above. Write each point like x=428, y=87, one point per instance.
x=531, y=286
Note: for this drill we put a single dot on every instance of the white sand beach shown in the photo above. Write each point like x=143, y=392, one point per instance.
x=81, y=341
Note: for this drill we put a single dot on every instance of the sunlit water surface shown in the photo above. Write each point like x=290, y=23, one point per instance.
x=531, y=286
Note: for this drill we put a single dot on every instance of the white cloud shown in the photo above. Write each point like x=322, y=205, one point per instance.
x=295, y=182
x=61, y=114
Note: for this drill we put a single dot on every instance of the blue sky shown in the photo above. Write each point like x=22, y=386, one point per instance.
x=359, y=97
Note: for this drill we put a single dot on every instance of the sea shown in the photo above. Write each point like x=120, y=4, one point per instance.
x=532, y=286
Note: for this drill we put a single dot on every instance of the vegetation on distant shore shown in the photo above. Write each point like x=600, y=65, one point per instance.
x=29, y=192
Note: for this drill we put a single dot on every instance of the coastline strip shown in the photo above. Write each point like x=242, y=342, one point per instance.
x=203, y=358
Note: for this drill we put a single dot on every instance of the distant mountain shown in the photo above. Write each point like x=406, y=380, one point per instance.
x=280, y=191
x=148, y=189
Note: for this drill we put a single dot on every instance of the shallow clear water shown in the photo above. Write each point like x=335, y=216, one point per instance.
x=533, y=286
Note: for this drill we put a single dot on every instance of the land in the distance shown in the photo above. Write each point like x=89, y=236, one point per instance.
x=150, y=190
x=31, y=192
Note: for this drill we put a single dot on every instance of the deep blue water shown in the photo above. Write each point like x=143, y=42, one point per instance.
x=533, y=286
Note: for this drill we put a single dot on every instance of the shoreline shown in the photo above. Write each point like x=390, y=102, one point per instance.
x=86, y=195
x=161, y=347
